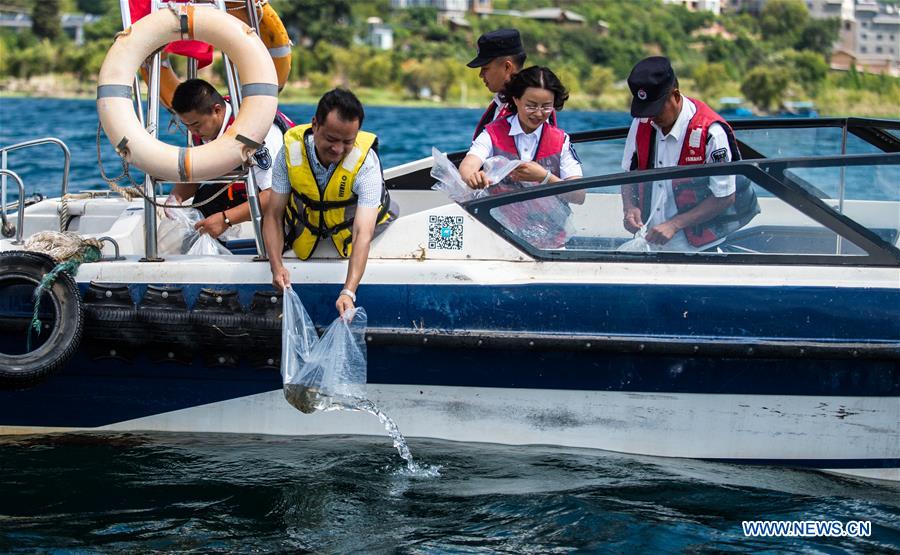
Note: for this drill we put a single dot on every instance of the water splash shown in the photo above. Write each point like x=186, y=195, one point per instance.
x=308, y=400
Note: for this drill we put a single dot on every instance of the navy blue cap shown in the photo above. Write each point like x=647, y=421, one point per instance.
x=502, y=42
x=651, y=81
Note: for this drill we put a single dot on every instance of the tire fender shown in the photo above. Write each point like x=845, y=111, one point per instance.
x=29, y=268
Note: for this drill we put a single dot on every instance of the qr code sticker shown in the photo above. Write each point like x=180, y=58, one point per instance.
x=445, y=232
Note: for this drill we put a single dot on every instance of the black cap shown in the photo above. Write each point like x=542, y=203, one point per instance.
x=650, y=82
x=502, y=42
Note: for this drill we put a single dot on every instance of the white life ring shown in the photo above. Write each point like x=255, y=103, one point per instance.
x=271, y=31
x=235, y=146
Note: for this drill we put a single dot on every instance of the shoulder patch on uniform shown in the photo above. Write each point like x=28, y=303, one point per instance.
x=263, y=158
x=574, y=154
x=719, y=155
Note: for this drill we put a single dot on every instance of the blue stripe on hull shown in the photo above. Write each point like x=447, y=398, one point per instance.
x=811, y=313
x=95, y=393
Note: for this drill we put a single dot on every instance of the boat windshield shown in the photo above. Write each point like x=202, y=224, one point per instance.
x=802, y=141
x=841, y=209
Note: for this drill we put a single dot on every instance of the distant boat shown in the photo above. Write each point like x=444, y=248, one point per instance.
x=799, y=109
x=733, y=107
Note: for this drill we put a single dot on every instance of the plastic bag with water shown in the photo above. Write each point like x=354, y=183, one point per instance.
x=543, y=222
x=451, y=182
x=327, y=372
x=176, y=235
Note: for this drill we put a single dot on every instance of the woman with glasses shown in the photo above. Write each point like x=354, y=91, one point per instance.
x=547, y=155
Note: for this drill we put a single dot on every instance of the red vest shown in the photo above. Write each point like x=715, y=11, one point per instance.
x=539, y=221
x=549, y=149
x=687, y=193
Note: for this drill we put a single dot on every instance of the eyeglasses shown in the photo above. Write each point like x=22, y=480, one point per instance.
x=532, y=109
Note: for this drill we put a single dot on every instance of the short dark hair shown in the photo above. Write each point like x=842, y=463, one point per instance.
x=195, y=95
x=537, y=77
x=518, y=60
x=348, y=107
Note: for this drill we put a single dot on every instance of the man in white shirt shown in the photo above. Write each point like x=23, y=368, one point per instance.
x=671, y=129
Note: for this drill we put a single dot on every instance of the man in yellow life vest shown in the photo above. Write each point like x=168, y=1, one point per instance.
x=327, y=184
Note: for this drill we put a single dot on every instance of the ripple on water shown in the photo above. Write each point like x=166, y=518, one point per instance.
x=208, y=492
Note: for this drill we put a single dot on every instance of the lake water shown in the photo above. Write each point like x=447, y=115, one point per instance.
x=220, y=493
x=224, y=493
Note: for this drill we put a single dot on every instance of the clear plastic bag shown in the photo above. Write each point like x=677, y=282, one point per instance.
x=639, y=242
x=542, y=221
x=327, y=372
x=176, y=235
x=451, y=182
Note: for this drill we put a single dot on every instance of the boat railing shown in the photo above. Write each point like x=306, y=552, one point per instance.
x=20, y=219
x=5, y=172
x=4, y=162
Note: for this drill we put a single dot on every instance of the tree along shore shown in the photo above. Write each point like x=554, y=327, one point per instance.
x=770, y=60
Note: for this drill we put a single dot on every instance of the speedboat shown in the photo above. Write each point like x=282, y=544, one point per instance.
x=778, y=346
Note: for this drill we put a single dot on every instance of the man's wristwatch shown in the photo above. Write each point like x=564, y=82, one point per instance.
x=348, y=293
x=227, y=221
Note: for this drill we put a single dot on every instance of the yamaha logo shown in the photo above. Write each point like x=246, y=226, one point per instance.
x=642, y=94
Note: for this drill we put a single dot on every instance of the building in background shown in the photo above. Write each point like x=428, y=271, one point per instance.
x=447, y=9
x=714, y=6
x=869, y=37
x=72, y=24
x=556, y=15
x=870, y=40
x=824, y=9
x=380, y=36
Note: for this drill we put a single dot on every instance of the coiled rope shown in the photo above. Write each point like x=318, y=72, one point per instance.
x=70, y=251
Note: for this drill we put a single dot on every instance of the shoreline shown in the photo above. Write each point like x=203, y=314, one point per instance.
x=835, y=102
x=65, y=86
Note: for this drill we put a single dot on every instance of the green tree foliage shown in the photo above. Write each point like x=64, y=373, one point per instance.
x=765, y=87
x=600, y=80
x=103, y=30
x=819, y=35
x=781, y=21
x=377, y=70
x=45, y=19
x=97, y=7
x=709, y=78
x=318, y=20
x=37, y=59
x=807, y=68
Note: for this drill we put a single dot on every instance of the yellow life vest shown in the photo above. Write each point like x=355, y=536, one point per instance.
x=313, y=214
